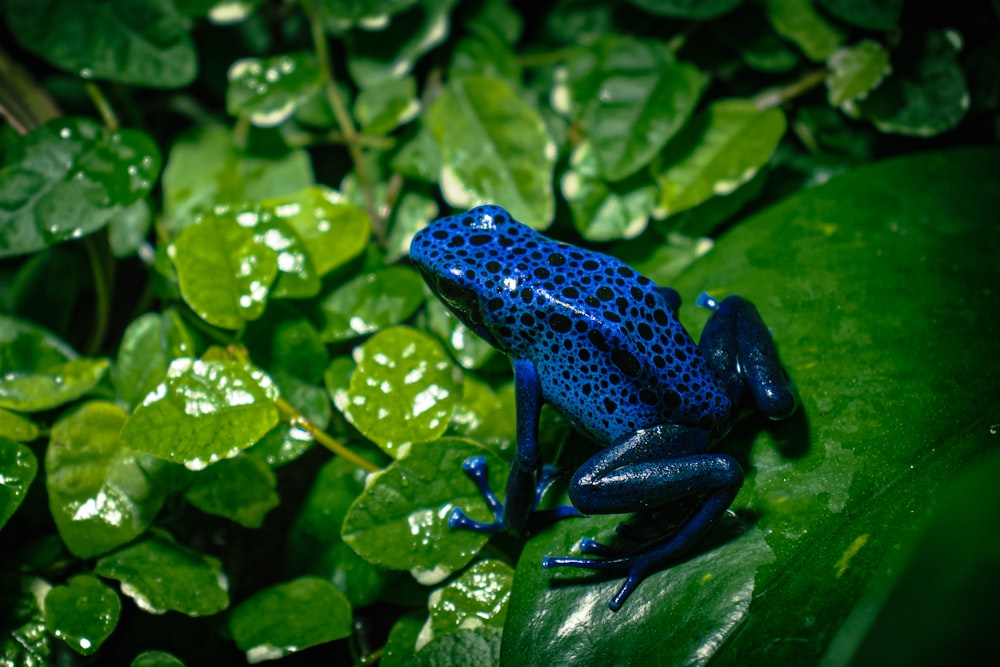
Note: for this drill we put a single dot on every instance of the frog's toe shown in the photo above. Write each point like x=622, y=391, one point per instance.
x=478, y=471
x=459, y=520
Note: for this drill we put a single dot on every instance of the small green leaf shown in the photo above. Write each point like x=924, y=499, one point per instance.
x=469, y=349
x=203, y=412
x=879, y=15
x=68, y=178
x=387, y=104
x=128, y=229
x=413, y=212
x=333, y=230
x=99, y=494
x=926, y=94
x=206, y=168
x=419, y=158
x=18, y=467
x=631, y=97
x=24, y=641
x=400, y=521
x=314, y=543
x=241, y=489
x=465, y=647
x=477, y=598
x=150, y=343
x=389, y=52
x=402, y=640
x=160, y=576
x=156, y=659
x=141, y=42
x=605, y=211
x=486, y=416
x=269, y=90
x=799, y=22
x=854, y=71
x=290, y=617
x=225, y=272
x=16, y=427
x=687, y=9
x=513, y=157
x=721, y=149
x=83, y=613
x=38, y=371
x=370, y=302
x=404, y=389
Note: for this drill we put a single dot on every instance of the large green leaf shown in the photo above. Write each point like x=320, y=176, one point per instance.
x=880, y=287
x=82, y=613
x=68, y=178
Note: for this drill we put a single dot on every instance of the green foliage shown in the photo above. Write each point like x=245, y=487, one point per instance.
x=225, y=394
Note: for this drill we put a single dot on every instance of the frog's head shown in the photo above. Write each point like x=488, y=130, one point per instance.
x=462, y=257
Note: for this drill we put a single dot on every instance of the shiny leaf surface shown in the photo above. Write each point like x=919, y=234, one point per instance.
x=370, y=302
x=269, y=90
x=475, y=599
x=240, y=488
x=202, y=412
x=854, y=71
x=16, y=427
x=799, y=22
x=150, y=343
x=68, y=178
x=99, y=493
x=18, y=467
x=82, y=613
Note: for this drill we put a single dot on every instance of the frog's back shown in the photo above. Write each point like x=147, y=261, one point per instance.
x=610, y=352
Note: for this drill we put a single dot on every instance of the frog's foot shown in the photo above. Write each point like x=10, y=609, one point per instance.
x=638, y=567
x=478, y=471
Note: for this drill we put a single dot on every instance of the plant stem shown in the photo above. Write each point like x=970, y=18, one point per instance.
x=351, y=136
x=298, y=420
x=102, y=104
x=776, y=96
x=102, y=267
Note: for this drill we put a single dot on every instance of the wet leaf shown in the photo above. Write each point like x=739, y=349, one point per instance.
x=476, y=599
x=400, y=521
x=724, y=147
x=269, y=90
x=370, y=302
x=142, y=42
x=385, y=105
x=225, y=272
x=833, y=493
x=854, y=71
x=798, y=21
x=402, y=641
x=290, y=617
x=160, y=576
x=403, y=390
x=468, y=349
x=513, y=157
x=241, y=489
x=150, y=343
x=16, y=427
x=83, y=613
x=25, y=642
x=202, y=412
x=69, y=178
x=99, y=494
x=18, y=467
x=412, y=213
x=631, y=97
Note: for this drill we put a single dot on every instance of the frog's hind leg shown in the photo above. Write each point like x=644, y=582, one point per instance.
x=741, y=353
x=648, y=470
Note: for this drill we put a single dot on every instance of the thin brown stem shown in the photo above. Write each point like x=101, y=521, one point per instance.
x=778, y=96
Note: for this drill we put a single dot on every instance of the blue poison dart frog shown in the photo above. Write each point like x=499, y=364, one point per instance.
x=603, y=345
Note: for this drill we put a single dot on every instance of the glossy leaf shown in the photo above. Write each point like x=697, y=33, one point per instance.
x=370, y=302
x=385, y=105
x=402, y=640
x=206, y=168
x=854, y=71
x=68, y=178
x=403, y=390
x=224, y=270
x=315, y=545
x=412, y=213
x=867, y=14
x=926, y=93
x=150, y=343
x=832, y=493
x=475, y=599
x=798, y=21
x=16, y=427
x=241, y=489
x=605, y=211
x=99, y=493
x=400, y=521
x=38, y=371
x=82, y=613
x=128, y=229
x=18, y=467
x=24, y=639
x=142, y=42
x=333, y=230
x=724, y=147
x=161, y=575
x=513, y=157
x=290, y=617
x=468, y=349
x=269, y=90
x=202, y=412
x=631, y=97
x=487, y=416
x=686, y=9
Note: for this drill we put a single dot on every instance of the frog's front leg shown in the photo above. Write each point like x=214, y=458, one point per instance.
x=523, y=485
x=648, y=470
